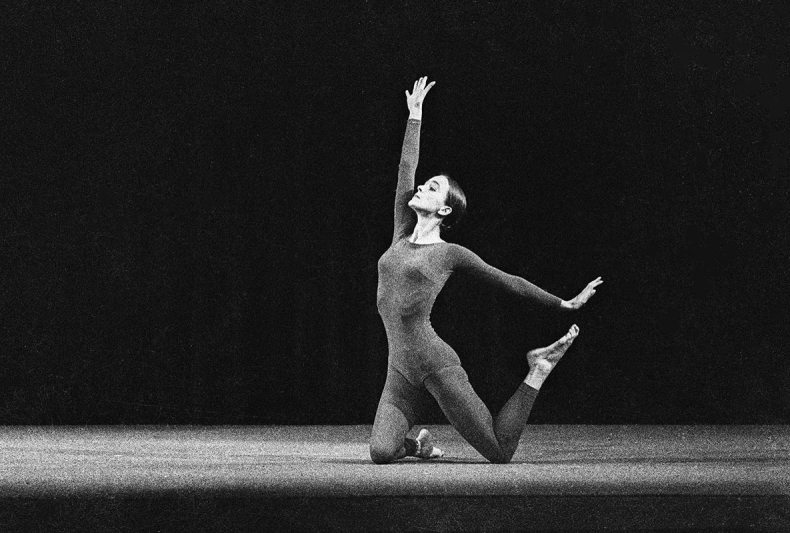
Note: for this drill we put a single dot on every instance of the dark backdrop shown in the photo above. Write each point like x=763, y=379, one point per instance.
x=202, y=245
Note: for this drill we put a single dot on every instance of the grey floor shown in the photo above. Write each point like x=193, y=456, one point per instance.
x=332, y=461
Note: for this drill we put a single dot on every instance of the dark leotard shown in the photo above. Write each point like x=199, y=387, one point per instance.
x=411, y=276
x=421, y=365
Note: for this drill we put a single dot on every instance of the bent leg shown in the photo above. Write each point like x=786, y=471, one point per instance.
x=495, y=440
x=512, y=419
x=398, y=408
x=387, y=441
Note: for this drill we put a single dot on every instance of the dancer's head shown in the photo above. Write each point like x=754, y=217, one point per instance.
x=456, y=200
x=440, y=196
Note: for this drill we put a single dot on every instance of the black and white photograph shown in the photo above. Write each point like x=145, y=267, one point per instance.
x=466, y=265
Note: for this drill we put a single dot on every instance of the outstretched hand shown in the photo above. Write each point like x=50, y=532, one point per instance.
x=417, y=95
x=585, y=295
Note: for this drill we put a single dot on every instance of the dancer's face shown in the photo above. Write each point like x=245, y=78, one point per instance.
x=431, y=196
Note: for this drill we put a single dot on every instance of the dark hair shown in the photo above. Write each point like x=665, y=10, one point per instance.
x=455, y=199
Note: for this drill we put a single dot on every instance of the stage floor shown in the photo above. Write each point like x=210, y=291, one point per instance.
x=726, y=476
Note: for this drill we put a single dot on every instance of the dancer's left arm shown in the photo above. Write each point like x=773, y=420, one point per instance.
x=581, y=298
x=462, y=259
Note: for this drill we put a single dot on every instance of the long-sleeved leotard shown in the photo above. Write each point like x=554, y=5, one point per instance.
x=411, y=276
x=420, y=363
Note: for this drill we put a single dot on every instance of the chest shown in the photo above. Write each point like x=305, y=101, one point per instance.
x=418, y=265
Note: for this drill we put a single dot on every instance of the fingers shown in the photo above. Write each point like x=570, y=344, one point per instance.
x=420, y=86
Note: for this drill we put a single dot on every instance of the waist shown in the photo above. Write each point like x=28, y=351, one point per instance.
x=409, y=330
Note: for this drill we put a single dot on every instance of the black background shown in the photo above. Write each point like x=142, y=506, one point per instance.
x=191, y=231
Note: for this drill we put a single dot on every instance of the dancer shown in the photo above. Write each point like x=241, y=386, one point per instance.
x=421, y=365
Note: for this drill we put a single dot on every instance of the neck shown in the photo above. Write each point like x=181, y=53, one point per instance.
x=426, y=231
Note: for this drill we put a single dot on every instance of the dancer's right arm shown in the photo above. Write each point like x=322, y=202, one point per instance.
x=404, y=217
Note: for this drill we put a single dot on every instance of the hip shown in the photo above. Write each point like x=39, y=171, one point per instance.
x=416, y=360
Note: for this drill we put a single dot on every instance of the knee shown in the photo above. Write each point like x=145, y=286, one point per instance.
x=499, y=457
x=381, y=455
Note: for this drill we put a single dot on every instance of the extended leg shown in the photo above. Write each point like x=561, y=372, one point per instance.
x=397, y=412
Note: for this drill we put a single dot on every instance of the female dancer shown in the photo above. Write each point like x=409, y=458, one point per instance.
x=411, y=273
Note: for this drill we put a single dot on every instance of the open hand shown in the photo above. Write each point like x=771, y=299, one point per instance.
x=417, y=95
x=586, y=294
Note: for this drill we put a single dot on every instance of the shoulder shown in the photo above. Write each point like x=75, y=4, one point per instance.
x=459, y=249
x=455, y=248
x=459, y=256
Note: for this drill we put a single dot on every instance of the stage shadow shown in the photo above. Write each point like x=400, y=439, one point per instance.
x=535, y=462
x=408, y=461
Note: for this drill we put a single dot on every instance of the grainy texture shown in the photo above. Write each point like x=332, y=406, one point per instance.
x=203, y=248
x=412, y=275
x=309, y=478
x=302, y=461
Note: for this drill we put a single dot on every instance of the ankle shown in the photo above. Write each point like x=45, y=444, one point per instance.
x=537, y=375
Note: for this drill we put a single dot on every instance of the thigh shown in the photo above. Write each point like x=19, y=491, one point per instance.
x=400, y=406
x=464, y=409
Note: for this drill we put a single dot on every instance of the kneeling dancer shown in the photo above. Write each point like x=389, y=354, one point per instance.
x=421, y=365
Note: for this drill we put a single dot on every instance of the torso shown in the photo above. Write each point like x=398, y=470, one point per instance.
x=411, y=275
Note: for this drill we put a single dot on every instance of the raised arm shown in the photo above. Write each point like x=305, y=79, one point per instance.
x=404, y=217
